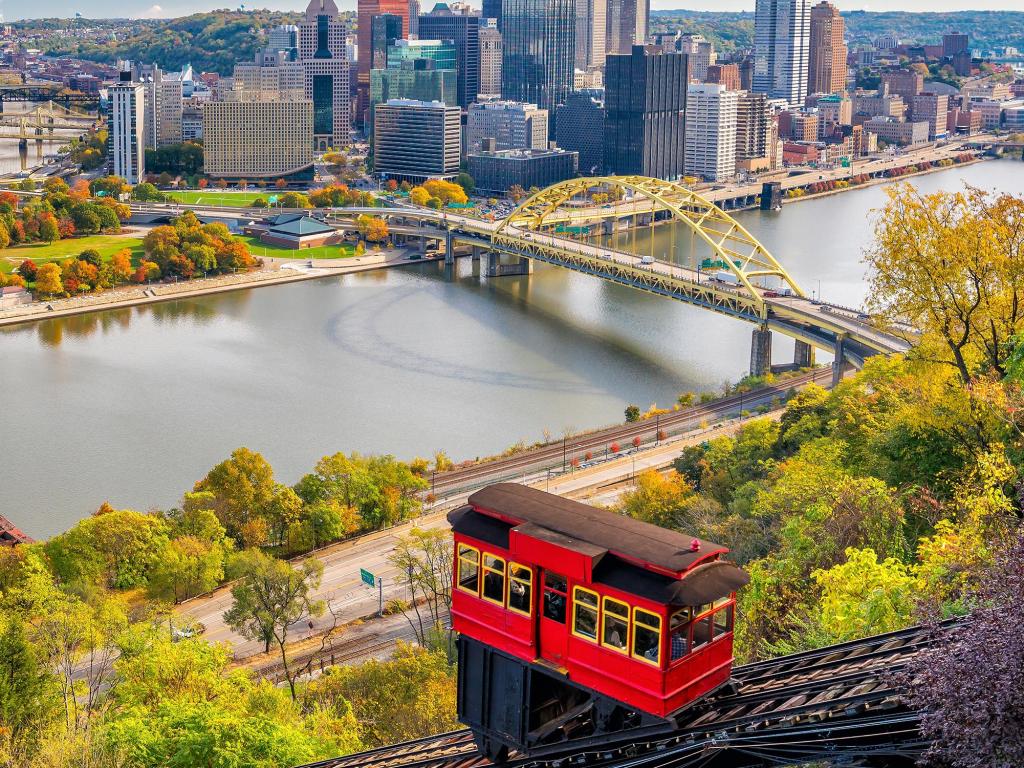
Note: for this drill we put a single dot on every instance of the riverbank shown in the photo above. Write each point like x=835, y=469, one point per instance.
x=275, y=272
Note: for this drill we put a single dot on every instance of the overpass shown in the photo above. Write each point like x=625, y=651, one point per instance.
x=749, y=284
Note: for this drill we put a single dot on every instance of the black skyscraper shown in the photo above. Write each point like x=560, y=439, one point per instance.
x=492, y=10
x=464, y=31
x=384, y=30
x=645, y=109
x=539, y=51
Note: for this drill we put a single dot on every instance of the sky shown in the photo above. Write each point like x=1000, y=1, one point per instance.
x=18, y=9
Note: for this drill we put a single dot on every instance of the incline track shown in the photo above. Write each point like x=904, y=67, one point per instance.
x=553, y=454
x=838, y=701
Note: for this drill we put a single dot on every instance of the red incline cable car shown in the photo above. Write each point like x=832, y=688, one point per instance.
x=575, y=622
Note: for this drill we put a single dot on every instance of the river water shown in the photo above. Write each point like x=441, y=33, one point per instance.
x=134, y=405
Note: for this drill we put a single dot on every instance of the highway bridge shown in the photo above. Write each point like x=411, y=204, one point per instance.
x=748, y=283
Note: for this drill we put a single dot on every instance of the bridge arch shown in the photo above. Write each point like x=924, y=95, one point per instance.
x=729, y=240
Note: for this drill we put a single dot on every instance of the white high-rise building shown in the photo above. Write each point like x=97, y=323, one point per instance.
x=782, y=41
x=711, y=131
x=702, y=55
x=126, y=147
x=512, y=125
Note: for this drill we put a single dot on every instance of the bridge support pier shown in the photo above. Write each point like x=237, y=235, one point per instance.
x=760, y=351
x=496, y=269
x=476, y=252
x=449, y=247
x=803, y=354
x=840, y=360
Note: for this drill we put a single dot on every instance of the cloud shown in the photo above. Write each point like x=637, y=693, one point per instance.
x=154, y=12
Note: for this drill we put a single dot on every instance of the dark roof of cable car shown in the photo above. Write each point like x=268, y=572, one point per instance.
x=622, y=536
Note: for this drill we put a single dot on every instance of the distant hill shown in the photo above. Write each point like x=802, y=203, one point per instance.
x=988, y=29
x=211, y=42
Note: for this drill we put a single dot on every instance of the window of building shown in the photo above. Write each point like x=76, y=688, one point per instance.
x=469, y=569
x=520, y=588
x=646, y=636
x=554, y=597
x=584, y=622
x=615, y=626
x=494, y=579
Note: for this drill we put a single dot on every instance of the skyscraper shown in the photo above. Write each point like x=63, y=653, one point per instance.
x=365, y=11
x=384, y=30
x=463, y=29
x=701, y=52
x=591, y=30
x=626, y=25
x=782, y=30
x=579, y=127
x=490, y=59
x=492, y=10
x=711, y=131
x=323, y=57
x=645, y=113
x=126, y=148
x=827, y=58
x=416, y=140
x=538, y=51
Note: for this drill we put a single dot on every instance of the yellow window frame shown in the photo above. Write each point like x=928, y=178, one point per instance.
x=458, y=576
x=528, y=581
x=485, y=569
x=624, y=617
x=656, y=628
x=595, y=608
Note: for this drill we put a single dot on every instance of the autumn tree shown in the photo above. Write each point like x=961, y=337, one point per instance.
x=951, y=265
x=966, y=685
x=373, y=228
x=418, y=196
x=48, y=280
x=273, y=597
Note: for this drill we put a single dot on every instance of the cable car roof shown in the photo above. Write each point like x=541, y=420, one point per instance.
x=632, y=540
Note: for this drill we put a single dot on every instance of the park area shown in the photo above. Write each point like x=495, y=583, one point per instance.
x=260, y=249
x=41, y=253
x=217, y=197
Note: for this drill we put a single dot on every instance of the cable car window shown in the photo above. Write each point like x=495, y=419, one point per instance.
x=555, y=582
x=494, y=579
x=646, y=636
x=584, y=622
x=615, y=629
x=520, y=588
x=723, y=621
x=701, y=632
x=554, y=597
x=469, y=569
x=679, y=634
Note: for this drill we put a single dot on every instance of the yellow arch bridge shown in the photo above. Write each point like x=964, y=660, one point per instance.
x=740, y=277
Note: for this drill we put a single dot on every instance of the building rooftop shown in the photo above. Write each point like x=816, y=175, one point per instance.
x=303, y=226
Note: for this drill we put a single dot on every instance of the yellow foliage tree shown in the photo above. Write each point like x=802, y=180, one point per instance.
x=445, y=191
x=419, y=196
x=951, y=265
x=48, y=280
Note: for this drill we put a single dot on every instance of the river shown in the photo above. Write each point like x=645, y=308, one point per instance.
x=133, y=406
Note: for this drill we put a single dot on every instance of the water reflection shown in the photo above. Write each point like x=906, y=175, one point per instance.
x=52, y=332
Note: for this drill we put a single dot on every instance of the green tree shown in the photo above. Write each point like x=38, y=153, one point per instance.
x=656, y=498
x=146, y=192
x=243, y=490
x=466, y=181
x=187, y=567
x=416, y=689
x=632, y=413
x=28, y=700
x=271, y=598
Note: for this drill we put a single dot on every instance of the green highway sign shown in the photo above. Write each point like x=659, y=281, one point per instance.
x=367, y=578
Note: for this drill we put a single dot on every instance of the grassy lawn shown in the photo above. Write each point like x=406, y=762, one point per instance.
x=344, y=251
x=217, y=197
x=107, y=245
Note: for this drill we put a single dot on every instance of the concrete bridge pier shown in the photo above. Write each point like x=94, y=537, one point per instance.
x=840, y=360
x=803, y=354
x=477, y=250
x=449, y=247
x=760, y=351
x=495, y=268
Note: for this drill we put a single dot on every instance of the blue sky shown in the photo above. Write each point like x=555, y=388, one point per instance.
x=17, y=9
